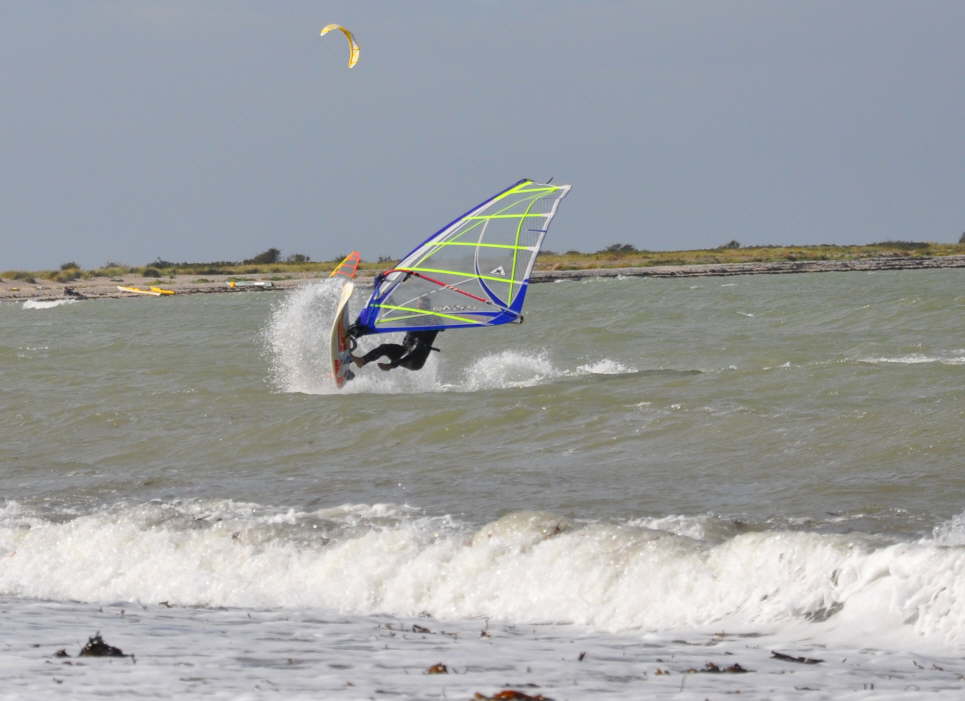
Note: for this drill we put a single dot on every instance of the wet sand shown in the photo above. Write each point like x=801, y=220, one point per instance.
x=106, y=288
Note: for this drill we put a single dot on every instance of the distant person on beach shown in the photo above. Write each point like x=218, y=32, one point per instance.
x=411, y=354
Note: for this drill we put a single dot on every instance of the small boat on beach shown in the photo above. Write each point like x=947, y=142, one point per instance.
x=153, y=291
x=249, y=283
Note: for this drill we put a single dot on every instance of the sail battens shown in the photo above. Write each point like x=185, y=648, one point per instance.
x=473, y=272
x=505, y=216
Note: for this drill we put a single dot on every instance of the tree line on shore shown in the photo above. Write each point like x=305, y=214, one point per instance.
x=271, y=260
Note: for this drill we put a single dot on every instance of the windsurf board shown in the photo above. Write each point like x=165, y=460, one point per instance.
x=340, y=342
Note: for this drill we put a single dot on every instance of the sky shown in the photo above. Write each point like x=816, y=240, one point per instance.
x=212, y=130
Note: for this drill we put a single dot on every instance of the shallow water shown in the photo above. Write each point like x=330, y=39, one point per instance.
x=641, y=461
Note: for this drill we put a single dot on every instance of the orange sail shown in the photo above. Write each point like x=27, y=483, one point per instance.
x=349, y=265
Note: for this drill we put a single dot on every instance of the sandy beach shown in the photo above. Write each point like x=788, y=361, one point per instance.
x=107, y=288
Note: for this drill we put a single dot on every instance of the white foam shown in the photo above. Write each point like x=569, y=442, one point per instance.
x=706, y=527
x=508, y=368
x=297, y=338
x=253, y=654
x=916, y=359
x=951, y=532
x=296, y=345
x=46, y=304
x=296, y=341
x=605, y=366
x=513, y=368
x=524, y=568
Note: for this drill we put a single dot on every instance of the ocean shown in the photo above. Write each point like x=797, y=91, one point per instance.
x=644, y=491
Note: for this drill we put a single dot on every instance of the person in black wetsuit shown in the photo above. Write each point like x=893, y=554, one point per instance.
x=411, y=354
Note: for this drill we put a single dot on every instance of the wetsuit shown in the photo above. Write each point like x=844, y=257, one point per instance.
x=410, y=354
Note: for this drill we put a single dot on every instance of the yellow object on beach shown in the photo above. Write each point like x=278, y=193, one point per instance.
x=154, y=291
x=353, y=47
x=249, y=283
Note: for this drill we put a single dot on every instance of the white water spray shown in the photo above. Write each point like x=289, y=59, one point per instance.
x=296, y=344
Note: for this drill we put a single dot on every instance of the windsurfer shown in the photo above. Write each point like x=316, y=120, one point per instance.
x=411, y=354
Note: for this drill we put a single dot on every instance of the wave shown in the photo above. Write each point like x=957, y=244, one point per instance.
x=668, y=573
x=46, y=304
x=953, y=358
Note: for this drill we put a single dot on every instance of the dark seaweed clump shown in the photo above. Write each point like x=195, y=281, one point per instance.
x=96, y=647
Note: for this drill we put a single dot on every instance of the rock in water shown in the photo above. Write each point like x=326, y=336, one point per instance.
x=96, y=647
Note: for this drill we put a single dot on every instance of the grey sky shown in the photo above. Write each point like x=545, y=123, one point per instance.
x=207, y=130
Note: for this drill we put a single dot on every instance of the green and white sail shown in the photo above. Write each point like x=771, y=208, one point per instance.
x=473, y=272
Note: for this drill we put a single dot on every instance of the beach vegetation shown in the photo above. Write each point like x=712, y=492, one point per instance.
x=731, y=244
x=962, y=239
x=266, y=257
x=576, y=260
x=21, y=275
x=619, y=249
x=298, y=258
x=68, y=275
x=69, y=266
x=902, y=245
x=112, y=271
x=614, y=255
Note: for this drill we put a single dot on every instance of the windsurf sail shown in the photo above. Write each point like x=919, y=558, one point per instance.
x=473, y=272
x=349, y=265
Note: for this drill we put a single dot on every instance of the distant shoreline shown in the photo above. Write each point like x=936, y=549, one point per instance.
x=106, y=288
x=759, y=268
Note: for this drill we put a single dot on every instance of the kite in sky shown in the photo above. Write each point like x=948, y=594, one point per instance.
x=353, y=47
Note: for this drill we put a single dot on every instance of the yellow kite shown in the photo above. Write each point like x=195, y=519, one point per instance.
x=353, y=48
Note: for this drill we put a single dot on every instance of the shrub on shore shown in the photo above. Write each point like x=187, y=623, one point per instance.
x=902, y=245
x=618, y=254
x=66, y=275
x=21, y=275
x=272, y=255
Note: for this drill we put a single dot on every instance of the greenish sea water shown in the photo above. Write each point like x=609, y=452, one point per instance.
x=781, y=455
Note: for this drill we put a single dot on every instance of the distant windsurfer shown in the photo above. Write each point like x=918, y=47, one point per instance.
x=411, y=354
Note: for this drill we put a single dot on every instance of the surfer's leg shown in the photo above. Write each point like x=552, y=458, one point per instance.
x=414, y=361
x=393, y=351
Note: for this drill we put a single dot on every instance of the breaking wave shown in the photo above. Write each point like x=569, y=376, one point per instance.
x=954, y=358
x=46, y=304
x=657, y=574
